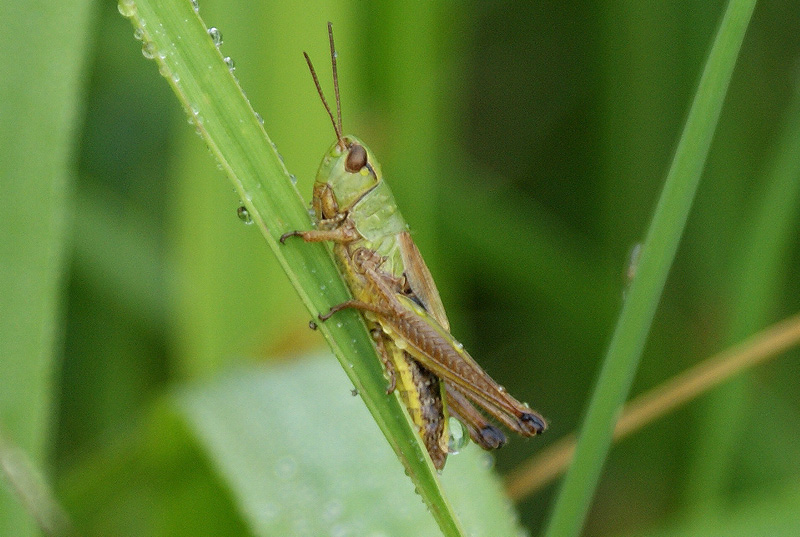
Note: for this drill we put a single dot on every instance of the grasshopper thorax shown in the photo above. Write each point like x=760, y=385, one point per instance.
x=348, y=171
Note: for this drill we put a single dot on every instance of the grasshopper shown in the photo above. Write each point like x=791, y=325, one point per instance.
x=393, y=288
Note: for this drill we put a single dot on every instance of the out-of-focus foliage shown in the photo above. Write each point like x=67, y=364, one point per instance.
x=526, y=145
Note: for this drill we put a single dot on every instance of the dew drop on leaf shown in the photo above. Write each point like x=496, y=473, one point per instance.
x=216, y=36
x=148, y=50
x=458, y=436
x=244, y=215
x=127, y=8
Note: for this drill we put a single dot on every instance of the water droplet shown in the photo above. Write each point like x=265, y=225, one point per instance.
x=268, y=510
x=244, y=215
x=340, y=530
x=301, y=528
x=633, y=265
x=259, y=118
x=339, y=324
x=633, y=260
x=148, y=50
x=459, y=346
x=275, y=147
x=216, y=36
x=138, y=33
x=332, y=510
x=196, y=6
x=194, y=117
x=126, y=8
x=229, y=62
x=354, y=392
x=293, y=178
x=285, y=468
x=312, y=325
x=458, y=436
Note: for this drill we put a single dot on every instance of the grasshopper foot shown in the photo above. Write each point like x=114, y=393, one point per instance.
x=290, y=234
x=491, y=437
x=532, y=423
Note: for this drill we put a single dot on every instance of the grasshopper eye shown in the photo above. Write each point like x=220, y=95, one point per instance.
x=356, y=158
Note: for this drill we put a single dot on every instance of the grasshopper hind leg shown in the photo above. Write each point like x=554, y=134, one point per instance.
x=483, y=433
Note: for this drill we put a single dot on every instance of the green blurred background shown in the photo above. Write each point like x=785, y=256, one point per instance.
x=526, y=144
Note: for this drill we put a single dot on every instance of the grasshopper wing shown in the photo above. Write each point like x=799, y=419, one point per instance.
x=420, y=280
x=423, y=287
x=427, y=341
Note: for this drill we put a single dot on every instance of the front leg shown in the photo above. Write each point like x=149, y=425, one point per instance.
x=356, y=305
x=344, y=232
x=315, y=235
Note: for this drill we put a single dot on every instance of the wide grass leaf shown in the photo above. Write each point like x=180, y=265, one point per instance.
x=302, y=457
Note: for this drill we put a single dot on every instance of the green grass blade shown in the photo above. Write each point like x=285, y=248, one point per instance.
x=659, y=249
x=41, y=65
x=175, y=36
x=757, y=276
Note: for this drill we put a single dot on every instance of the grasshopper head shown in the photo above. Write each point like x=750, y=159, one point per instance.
x=347, y=172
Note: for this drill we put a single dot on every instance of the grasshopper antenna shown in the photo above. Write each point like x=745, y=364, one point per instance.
x=337, y=123
x=335, y=78
x=324, y=102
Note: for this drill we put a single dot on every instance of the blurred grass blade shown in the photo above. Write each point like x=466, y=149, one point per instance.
x=42, y=60
x=773, y=512
x=661, y=243
x=757, y=278
x=175, y=37
x=657, y=402
x=32, y=490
